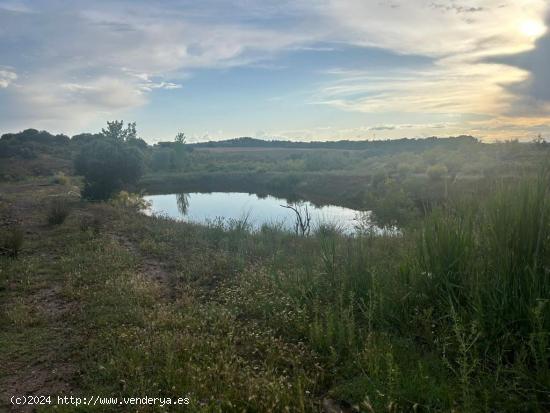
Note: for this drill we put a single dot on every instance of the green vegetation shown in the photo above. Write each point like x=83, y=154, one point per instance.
x=12, y=240
x=58, y=211
x=110, y=163
x=451, y=314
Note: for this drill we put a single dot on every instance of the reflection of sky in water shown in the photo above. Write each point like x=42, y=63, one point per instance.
x=203, y=207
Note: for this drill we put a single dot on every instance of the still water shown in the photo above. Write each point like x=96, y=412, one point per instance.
x=207, y=207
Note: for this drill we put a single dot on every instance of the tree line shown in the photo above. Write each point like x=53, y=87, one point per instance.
x=109, y=161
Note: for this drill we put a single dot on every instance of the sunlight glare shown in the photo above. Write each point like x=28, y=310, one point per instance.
x=532, y=28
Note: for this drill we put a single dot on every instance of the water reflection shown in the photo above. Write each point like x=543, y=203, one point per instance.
x=183, y=203
x=258, y=210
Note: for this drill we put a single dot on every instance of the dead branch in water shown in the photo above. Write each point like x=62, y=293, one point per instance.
x=302, y=225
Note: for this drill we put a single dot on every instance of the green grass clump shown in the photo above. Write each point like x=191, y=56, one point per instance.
x=58, y=211
x=11, y=241
x=60, y=178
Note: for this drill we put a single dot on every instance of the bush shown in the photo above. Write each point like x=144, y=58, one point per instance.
x=91, y=223
x=12, y=241
x=162, y=159
x=437, y=172
x=58, y=211
x=61, y=179
x=128, y=200
x=107, y=166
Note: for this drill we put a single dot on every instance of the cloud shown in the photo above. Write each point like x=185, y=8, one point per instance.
x=443, y=88
x=533, y=92
x=83, y=60
x=80, y=61
x=6, y=78
x=466, y=79
x=14, y=6
x=146, y=84
x=456, y=8
x=420, y=26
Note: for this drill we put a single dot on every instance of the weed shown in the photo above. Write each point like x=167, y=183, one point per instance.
x=12, y=240
x=90, y=223
x=131, y=201
x=58, y=211
x=61, y=179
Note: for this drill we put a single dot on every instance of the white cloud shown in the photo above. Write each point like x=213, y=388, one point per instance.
x=78, y=61
x=82, y=60
x=420, y=26
x=442, y=89
x=6, y=78
x=462, y=37
x=14, y=6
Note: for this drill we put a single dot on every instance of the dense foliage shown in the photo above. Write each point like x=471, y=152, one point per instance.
x=108, y=166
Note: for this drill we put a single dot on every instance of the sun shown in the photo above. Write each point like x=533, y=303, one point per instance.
x=532, y=28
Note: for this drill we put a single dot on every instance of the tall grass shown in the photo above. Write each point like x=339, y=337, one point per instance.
x=58, y=210
x=490, y=264
x=469, y=285
x=11, y=240
x=453, y=314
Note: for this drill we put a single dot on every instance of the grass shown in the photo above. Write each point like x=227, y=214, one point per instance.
x=58, y=211
x=451, y=315
x=61, y=179
x=454, y=305
x=12, y=240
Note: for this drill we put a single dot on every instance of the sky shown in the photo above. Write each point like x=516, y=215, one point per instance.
x=299, y=70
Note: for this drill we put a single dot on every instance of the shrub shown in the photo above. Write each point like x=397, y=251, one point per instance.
x=404, y=169
x=108, y=165
x=162, y=159
x=128, y=200
x=437, y=172
x=58, y=211
x=61, y=179
x=12, y=241
x=91, y=223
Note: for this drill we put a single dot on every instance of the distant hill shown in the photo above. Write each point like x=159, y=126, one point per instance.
x=403, y=144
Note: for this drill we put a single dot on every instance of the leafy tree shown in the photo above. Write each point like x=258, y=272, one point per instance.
x=108, y=165
x=179, y=156
x=115, y=130
x=84, y=138
x=181, y=138
x=38, y=137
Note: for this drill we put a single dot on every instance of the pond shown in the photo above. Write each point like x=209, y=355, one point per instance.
x=208, y=207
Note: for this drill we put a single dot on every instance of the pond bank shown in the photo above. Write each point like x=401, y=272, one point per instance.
x=320, y=189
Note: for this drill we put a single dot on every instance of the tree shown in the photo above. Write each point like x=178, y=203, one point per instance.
x=116, y=131
x=180, y=151
x=108, y=165
x=181, y=138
